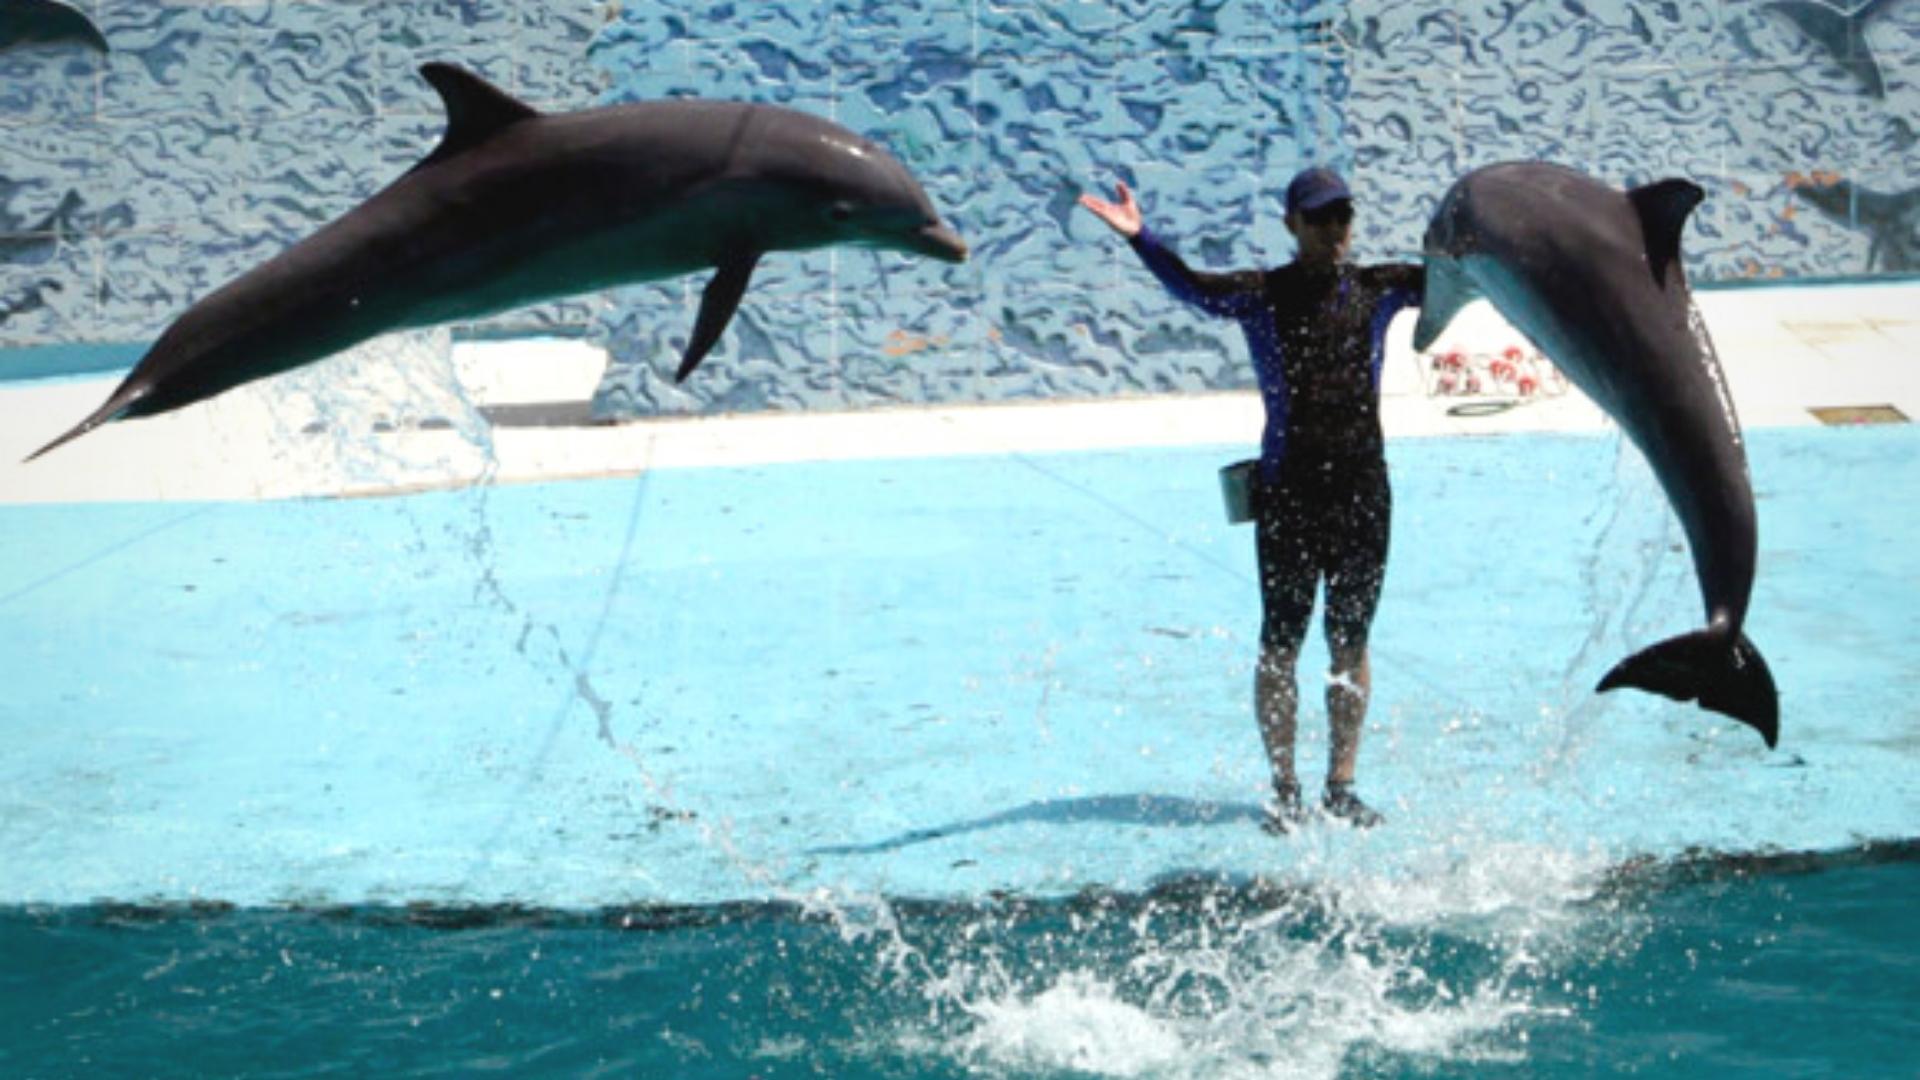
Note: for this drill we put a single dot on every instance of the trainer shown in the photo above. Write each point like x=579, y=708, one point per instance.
x=1321, y=502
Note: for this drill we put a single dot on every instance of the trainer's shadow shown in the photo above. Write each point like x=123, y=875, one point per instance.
x=1158, y=811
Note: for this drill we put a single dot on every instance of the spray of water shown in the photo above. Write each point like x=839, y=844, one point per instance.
x=1449, y=954
x=1446, y=955
x=1634, y=576
x=392, y=416
x=388, y=415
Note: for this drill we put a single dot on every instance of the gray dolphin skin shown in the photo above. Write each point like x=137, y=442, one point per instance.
x=46, y=22
x=1592, y=275
x=516, y=206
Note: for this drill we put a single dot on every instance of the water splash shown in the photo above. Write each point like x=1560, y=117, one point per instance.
x=389, y=415
x=1452, y=959
x=1446, y=957
x=1630, y=582
x=1078, y=1024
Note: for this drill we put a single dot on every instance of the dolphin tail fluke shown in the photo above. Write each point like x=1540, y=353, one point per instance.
x=115, y=406
x=1702, y=667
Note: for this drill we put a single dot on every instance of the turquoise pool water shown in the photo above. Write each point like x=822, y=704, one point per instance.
x=1790, y=969
x=680, y=774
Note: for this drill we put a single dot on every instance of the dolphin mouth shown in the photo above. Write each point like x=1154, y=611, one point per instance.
x=940, y=242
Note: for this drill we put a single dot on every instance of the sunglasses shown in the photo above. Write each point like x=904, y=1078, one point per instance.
x=1334, y=213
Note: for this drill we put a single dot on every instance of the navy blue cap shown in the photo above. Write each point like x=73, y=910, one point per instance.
x=1314, y=188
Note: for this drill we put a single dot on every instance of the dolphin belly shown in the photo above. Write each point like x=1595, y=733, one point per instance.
x=1656, y=375
x=488, y=282
x=1535, y=314
x=345, y=286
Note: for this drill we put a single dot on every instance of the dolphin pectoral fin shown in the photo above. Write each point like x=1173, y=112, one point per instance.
x=476, y=109
x=1702, y=667
x=1663, y=207
x=717, y=305
x=1448, y=289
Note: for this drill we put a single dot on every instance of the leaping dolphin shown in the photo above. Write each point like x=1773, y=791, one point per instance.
x=516, y=206
x=1592, y=274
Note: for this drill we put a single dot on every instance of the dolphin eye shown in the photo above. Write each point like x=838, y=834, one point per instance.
x=840, y=212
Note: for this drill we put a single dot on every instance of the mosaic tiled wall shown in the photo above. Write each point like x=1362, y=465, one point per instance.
x=206, y=136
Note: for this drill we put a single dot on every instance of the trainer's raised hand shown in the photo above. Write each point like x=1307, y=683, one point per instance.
x=1123, y=216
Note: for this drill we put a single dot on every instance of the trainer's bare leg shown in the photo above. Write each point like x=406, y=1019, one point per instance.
x=1276, y=700
x=1349, y=685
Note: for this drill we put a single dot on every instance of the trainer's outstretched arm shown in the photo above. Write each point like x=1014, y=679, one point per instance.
x=1123, y=216
x=1232, y=295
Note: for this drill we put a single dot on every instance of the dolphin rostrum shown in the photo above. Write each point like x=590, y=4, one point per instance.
x=516, y=206
x=1592, y=274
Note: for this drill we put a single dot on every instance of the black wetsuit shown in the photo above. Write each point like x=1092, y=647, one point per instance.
x=1321, y=501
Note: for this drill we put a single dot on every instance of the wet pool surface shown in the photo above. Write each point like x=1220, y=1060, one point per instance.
x=676, y=775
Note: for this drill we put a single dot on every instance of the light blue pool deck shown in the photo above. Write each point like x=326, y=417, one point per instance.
x=935, y=677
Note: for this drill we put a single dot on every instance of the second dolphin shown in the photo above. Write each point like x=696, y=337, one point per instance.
x=516, y=206
x=1592, y=274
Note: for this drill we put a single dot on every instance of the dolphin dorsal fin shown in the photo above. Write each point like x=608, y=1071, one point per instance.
x=1663, y=207
x=476, y=109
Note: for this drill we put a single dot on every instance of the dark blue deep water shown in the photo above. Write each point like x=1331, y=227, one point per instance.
x=1791, y=966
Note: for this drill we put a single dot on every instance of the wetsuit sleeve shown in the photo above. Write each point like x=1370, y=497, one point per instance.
x=1217, y=294
x=1405, y=285
x=1397, y=287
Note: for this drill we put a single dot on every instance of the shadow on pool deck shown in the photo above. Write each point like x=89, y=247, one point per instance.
x=1156, y=811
